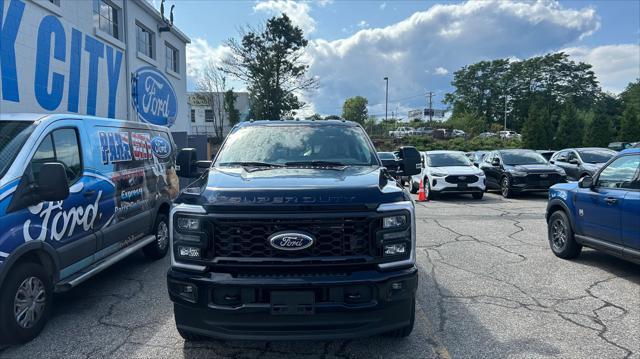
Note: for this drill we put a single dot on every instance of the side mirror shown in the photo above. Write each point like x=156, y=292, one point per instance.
x=187, y=163
x=204, y=164
x=585, y=182
x=53, y=184
x=495, y=162
x=410, y=160
x=574, y=161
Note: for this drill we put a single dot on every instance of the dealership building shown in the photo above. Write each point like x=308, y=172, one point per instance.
x=110, y=58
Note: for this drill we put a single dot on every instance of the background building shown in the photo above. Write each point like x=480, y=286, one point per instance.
x=203, y=116
x=109, y=58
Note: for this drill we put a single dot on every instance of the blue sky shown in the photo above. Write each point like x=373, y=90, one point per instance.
x=418, y=44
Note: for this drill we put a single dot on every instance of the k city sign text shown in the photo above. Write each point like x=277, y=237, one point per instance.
x=53, y=43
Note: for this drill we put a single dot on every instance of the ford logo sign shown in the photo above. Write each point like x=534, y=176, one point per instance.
x=462, y=178
x=160, y=147
x=153, y=96
x=291, y=241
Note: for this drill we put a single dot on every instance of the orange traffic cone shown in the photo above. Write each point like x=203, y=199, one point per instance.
x=422, y=196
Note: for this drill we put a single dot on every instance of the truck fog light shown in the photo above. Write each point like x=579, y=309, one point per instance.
x=188, y=292
x=394, y=221
x=394, y=249
x=190, y=252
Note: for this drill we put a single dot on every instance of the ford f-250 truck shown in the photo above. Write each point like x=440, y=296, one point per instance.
x=295, y=231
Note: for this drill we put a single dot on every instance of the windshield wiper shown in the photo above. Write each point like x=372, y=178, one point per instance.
x=316, y=163
x=252, y=164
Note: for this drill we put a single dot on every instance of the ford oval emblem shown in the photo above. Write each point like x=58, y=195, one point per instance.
x=154, y=98
x=291, y=241
x=160, y=147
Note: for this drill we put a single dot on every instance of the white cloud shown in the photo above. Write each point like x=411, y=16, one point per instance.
x=441, y=71
x=200, y=53
x=324, y=3
x=297, y=11
x=363, y=24
x=614, y=65
x=383, y=6
x=455, y=35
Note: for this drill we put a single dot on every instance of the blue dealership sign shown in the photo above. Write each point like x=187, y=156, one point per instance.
x=154, y=99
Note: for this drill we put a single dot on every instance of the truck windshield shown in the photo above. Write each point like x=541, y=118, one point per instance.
x=297, y=145
x=13, y=134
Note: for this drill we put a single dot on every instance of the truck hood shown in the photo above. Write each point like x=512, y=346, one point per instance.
x=236, y=189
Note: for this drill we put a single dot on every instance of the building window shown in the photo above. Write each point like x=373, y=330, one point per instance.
x=193, y=115
x=208, y=115
x=144, y=39
x=173, y=62
x=105, y=17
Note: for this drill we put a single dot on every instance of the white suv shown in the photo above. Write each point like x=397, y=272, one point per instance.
x=449, y=172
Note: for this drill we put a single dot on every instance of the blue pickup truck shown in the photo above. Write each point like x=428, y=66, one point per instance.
x=600, y=212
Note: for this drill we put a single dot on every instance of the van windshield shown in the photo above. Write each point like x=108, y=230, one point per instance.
x=289, y=145
x=13, y=135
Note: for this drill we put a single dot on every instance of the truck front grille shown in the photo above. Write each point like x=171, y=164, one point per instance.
x=334, y=237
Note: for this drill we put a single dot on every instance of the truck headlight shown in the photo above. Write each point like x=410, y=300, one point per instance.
x=188, y=224
x=395, y=249
x=394, y=221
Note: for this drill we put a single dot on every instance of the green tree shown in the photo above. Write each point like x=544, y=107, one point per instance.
x=598, y=130
x=570, y=127
x=271, y=64
x=630, y=121
x=355, y=109
x=233, y=115
x=332, y=117
x=469, y=122
x=537, y=132
x=315, y=117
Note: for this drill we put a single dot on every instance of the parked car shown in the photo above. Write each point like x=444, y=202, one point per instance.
x=401, y=132
x=600, y=212
x=509, y=135
x=458, y=133
x=487, y=135
x=547, y=154
x=390, y=160
x=421, y=131
x=477, y=157
x=441, y=133
x=580, y=162
x=77, y=194
x=516, y=171
x=619, y=146
x=295, y=232
x=448, y=172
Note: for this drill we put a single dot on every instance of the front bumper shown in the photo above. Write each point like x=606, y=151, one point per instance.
x=528, y=184
x=440, y=185
x=346, y=305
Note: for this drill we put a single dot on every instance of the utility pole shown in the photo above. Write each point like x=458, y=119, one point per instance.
x=505, y=112
x=430, y=94
x=386, y=98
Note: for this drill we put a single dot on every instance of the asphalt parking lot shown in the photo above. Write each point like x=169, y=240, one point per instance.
x=489, y=288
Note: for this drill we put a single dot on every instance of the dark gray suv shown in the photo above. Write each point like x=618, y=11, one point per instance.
x=580, y=162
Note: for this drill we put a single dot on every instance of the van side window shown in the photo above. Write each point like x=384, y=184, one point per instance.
x=59, y=146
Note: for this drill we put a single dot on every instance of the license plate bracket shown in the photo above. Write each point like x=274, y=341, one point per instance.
x=292, y=303
x=462, y=185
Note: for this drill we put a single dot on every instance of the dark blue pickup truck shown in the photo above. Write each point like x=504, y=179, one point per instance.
x=601, y=212
x=295, y=231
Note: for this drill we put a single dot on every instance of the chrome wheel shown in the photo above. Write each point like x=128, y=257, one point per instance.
x=29, y=302
x=162, y=235
x=505, y=187
x=558, y=234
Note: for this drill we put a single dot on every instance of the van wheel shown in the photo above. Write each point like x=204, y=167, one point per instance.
x=405, y=331
x=159, y=248
x=191, y=336
x=25, y=303
x=561, y=238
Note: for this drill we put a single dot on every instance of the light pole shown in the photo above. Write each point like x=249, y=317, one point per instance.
x=386, y=97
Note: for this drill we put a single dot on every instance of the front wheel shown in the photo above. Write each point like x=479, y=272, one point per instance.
x=505, y=187
x=25, y=303
x=478, y=195
x=160, y=246
x=561, y=237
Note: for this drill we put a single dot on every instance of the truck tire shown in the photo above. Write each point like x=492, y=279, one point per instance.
x=413, y=188
x=25, y=303
x=561, y=237
x=160, y=246
x=405, y=331
x=191, y=337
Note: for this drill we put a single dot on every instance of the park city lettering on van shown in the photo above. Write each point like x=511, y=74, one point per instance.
x=49, y=85
x=116, y=146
